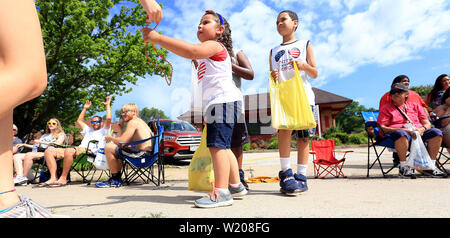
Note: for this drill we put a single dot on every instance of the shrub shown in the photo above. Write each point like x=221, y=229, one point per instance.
x=246, y=147
x=357, y=139
x=273, y=144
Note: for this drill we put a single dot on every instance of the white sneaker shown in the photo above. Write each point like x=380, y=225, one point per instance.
x=436, y=173
x=406, y=172
x=20, y=180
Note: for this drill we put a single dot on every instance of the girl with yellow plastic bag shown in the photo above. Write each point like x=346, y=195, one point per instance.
x=292, y=99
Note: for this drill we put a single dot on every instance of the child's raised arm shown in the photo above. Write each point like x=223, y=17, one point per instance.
x=182, y=48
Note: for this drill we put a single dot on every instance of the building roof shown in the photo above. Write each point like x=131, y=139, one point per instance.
x=262, y=100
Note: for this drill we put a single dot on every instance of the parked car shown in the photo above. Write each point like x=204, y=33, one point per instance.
x=181, y=139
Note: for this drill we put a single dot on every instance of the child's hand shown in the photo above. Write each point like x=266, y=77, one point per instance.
x=275, y=75
x=150, y=36
x=300, y=65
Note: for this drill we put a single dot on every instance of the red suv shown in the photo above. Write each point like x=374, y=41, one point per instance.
x=181, y=139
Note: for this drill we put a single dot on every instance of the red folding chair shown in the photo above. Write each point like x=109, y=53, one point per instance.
x=325, y=162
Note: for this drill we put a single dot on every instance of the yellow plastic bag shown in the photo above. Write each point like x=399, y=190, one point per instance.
x=289, y=104
x=201, y=171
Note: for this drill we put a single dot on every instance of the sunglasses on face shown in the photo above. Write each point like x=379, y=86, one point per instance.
x=52, y=123
x=93, y=122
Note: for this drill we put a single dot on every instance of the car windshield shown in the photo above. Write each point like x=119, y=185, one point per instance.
x=177, y=126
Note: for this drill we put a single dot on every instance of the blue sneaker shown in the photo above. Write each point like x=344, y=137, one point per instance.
x=240, y=191
x=301, y=180
x=109, y=183
x=288, y=184
x=214, y=199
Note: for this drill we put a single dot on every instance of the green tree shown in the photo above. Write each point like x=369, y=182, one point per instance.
x=422, y=90
x=93, y=49
x=350, y=118
x=147, y=114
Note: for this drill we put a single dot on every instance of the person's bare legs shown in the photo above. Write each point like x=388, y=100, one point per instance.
x=434, y=144
x=226, y=168
x=239, y=154
x=22, y=71
x=28, y=161
x=6, y=164
x=50, y=161
x=69, y=155
x=18, y=163
x=115, y=164
x=302, y=151
x=401, y=145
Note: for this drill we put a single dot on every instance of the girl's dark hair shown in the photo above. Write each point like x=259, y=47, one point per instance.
x=291, y=14
x=432, y=95
x=399, y=79
x=225, y=38
x=445, y=96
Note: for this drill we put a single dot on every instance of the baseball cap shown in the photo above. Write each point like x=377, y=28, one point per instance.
x=398, y=88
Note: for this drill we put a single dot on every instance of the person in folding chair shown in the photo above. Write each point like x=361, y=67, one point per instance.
x=412, y=97
x=443, y=120
x=394, y=118
x=97, y=131
x=23, y=162
x=136, y=130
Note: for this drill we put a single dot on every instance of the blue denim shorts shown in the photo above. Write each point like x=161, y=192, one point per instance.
x=220, y=121
x=428, y=134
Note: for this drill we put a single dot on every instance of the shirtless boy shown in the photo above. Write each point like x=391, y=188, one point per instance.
x=136, y=130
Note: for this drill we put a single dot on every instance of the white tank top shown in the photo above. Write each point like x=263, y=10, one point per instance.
x=283, y=54
x=216, y=80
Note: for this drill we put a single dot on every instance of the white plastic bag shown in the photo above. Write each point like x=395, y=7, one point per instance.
x=100, y=159
x=418, y=156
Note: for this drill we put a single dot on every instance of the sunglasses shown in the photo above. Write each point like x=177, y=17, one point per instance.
x=93, y=122
x=220, y=16
x=51, y=123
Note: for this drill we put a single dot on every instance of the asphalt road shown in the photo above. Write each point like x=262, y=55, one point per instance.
x=353, y=197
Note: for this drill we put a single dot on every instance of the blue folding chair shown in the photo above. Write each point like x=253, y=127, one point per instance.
x=143, y=167
x=375, y=138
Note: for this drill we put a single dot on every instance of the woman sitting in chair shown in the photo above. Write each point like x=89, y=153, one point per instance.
x=400, y=119
x=443, y=111
x=54, y=134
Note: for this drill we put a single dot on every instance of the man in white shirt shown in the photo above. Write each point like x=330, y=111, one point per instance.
x=97, y=131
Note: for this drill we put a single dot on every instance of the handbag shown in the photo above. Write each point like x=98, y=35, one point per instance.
x=419, y=158
x=201, y=170
x=289, y=104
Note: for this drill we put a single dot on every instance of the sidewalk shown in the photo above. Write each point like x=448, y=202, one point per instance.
x=353, y=197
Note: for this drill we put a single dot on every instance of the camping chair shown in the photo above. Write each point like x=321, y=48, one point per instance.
x=441, y=156
x=376, y=139
x=324, y=159
x=143, y=167
x=83, y=164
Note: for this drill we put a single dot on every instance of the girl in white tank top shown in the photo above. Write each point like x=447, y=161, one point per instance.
x=215, y=75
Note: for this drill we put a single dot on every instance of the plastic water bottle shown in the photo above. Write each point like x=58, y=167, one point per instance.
x=370, y=129
x=35, y=148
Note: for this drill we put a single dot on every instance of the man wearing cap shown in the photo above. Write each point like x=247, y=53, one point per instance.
x=393, y=119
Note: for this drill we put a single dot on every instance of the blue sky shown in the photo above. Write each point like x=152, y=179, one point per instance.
x=360, y=46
